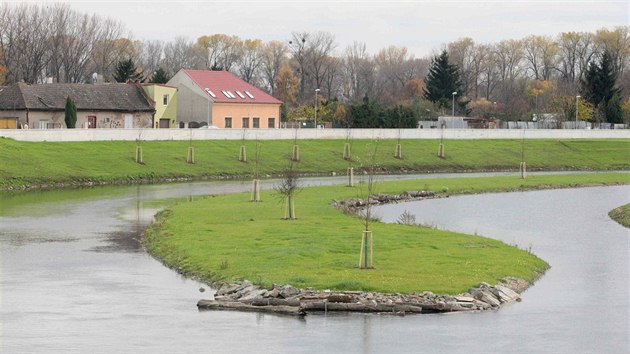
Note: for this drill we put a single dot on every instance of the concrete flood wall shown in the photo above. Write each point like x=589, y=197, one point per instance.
x=301, y=134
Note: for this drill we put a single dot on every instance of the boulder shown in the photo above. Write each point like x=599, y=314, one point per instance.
x=274, y=293
x=227, y=288
x=287, y=291
x=506, y=294
x=254, y=294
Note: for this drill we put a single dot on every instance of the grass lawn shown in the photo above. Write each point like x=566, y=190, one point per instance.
x=227, y=237
x=34, y=163
x=621, y=215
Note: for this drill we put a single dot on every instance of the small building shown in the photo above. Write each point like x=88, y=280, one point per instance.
x=98, y=106
x=450, y=122
x=165, y=98
x=222, y=100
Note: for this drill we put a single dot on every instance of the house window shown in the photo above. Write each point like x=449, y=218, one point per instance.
x=165, y=100
x=271, y=122
x=256, y=123
x=245, y=122
x=228, y=122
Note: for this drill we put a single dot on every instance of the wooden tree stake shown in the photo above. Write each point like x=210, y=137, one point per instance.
x=190, y=158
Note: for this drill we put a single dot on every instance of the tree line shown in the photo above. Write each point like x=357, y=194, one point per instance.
x=511, y=79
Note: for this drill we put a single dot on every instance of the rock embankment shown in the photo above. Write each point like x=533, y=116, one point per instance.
x=289, y=300
x=355, y=204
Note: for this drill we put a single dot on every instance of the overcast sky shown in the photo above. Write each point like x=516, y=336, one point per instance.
x=421, y=26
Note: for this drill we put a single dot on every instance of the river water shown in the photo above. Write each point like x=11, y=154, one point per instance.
x=75, y=278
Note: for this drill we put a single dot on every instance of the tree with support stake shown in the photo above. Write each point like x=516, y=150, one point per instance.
x=287, y=189
x=347, y=150
x=256, y=182
x=366, y=254
x=398, y=153
x=190, y=157
x=295, y=154
x=523, y=166
x=242, y=156
x=441, y=148
x=139, y=159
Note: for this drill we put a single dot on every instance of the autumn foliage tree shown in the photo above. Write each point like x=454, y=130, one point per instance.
x=287, y=85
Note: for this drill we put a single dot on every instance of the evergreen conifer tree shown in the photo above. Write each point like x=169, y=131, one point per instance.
x=442, y=81
x=126, y=70
x=160, y=76
x=598, y=88
x=70, y=116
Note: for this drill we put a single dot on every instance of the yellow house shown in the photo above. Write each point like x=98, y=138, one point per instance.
x=222, y=100
x=165, y=98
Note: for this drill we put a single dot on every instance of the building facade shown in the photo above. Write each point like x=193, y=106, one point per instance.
x=42, y=106
x=222, y=100
x=165, y=98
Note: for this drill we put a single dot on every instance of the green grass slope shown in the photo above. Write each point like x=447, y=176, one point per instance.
x=29, y=163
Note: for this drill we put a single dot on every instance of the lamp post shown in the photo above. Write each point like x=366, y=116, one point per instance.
x=453, y=111
x=577, y=107
x=316, y=92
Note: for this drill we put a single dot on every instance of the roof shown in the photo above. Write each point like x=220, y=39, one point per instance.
x=225, y=87
x=161, y=85
x=87, y=97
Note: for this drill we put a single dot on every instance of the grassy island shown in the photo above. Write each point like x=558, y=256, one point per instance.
x=227, y=237
x=621, y=215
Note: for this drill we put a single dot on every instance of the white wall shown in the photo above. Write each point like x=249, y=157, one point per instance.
x=289, y=134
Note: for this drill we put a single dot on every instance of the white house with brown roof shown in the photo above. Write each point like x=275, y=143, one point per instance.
x=98, y=106
x=222, y=100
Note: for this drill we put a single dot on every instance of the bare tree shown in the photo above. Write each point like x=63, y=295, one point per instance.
x=24, y=37
x=357, y=72
x=78, y=46
x=540, y=53
x=367, y=192
x=297, y=46
x=320, y=47
x=461, y=53
x=222, y=50
x=104, y=54
x=60, y=23
x=182, y=53
x=151, y=54
x=287, y=189
x=274, y=57
x=251, y=59
x=508, y=55
x=331, y=77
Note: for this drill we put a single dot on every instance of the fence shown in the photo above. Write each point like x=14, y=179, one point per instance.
x=290, y=134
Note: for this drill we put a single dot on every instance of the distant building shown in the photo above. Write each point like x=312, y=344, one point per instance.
x=451, y=122
x=222, y=100
x=98, y=106
x=165, y=98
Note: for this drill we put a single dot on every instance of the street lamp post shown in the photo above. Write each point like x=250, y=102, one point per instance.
x=453, y=111
x=577, y=108
x=316, y=92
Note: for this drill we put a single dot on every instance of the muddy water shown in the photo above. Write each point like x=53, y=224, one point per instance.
x=74, y=278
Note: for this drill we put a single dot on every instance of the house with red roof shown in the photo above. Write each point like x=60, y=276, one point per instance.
x=222, y=100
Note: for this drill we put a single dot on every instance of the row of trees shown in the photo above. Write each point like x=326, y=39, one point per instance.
x=510, y=79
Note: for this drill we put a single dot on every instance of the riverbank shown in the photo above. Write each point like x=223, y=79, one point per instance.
x=287, y=300
x=621, y=215
x=50, y=165
x=226, y=238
